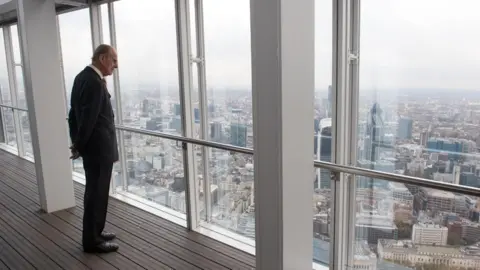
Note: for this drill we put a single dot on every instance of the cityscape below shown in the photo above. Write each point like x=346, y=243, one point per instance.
x=428, y=134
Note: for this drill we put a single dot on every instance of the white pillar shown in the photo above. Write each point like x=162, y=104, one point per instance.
x=283, y=94
x=38, y=34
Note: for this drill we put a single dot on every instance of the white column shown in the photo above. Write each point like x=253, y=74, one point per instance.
x=46, y=104
x=283, y=94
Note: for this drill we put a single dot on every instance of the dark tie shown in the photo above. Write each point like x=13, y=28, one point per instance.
x=104, y=82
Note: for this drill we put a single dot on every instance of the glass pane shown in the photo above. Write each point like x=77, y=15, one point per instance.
x=232, y=205
x=322, y=123
x=15, y=44
x=155, y=170
x=228, y=70
x=21, y=97
x=148, y=68
x=76, y=40
x=9, y=124
x=27, y=138
x=106, y=40
x=432, y=229
x=322, y=218
x=5, y=97
x=419, y=89
x=105, y=24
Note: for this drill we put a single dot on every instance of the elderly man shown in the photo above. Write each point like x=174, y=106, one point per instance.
x=92, y=132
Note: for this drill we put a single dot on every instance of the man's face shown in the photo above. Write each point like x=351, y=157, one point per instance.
x=109, y=62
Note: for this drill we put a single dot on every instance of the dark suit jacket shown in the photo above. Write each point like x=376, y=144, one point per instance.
x=91, y=119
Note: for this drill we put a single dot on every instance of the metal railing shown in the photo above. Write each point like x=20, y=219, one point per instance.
x=320, y=164
x=422, y=182
x=13, y=108
x=222, y=146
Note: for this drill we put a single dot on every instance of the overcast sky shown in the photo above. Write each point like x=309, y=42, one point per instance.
x=404, y=44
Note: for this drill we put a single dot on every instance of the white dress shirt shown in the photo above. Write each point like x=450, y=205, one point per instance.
x=98, y=71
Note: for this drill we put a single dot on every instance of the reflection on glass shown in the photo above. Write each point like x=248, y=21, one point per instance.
x=155, y=170
x=148, y=65
x=231, y=191
x=418, y=117
x=27, y=138
x=9, y=125
x=228, y=71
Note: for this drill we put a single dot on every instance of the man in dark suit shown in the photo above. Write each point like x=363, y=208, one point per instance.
x=92, y=132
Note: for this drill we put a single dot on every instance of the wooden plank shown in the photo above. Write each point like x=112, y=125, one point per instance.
x=119, y=261
x=23, y=246
x=126, y=248
x=154, y=231
x=56, y=235
x=137, y=243
x=48, y=247
x=240, y=257
x=150, y=225
x=11, y=259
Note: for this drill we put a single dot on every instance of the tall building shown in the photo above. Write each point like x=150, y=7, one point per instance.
x=324, y=151
x=238, y=135
x=452, y=147
x=216, y=133
x=177, y=109
x=405, y=127
x=429, y=234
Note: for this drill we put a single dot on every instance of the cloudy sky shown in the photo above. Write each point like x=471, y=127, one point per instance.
x=404, y=44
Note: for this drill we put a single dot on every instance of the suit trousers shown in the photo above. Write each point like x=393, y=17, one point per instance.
x=98, y=177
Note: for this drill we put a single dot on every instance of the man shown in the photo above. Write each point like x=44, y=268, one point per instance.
x=92, y=132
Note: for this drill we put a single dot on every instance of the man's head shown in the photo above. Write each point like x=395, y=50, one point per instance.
x=105, y=59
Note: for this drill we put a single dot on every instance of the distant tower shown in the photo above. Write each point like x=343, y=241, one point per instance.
x=375, y=133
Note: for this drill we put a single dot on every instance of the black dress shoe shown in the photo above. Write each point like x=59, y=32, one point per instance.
x=104, y=247
x=107, y=236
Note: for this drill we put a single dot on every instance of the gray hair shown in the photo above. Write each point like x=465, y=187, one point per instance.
x=101, y=50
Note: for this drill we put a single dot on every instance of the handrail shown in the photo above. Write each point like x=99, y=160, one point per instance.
x=222, y=146
x=320, y=164
x=398, y=178
x=13, y=108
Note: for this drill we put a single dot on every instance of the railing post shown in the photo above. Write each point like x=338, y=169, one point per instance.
x=185, y=86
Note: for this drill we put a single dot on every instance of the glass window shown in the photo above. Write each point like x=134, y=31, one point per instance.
x=148, y=65
x=27, y=138
x=21, y=98
x=106, y=40
x=9, y=126
x=155, y=170
x=322, y=127
x=5, y=97
x=228, y=71
x=76, y=39
x=418, y=116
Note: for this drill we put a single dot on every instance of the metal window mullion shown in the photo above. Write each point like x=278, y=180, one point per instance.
x=353, y=33
x=186, y=101
x=202, y=91
x=118, y=102
x=96, y=25
x=342, y=245
x=12, y=79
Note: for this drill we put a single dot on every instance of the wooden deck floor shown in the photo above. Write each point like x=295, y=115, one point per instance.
x=30, y=239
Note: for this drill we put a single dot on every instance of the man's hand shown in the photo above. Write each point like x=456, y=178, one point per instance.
x=75, y=153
